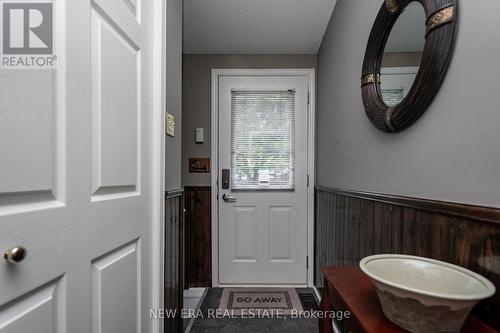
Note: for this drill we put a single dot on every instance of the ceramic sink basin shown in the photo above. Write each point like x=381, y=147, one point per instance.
x=424, y=295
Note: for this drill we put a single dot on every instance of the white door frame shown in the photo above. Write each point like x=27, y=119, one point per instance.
x=158, y=153
x=311, y=128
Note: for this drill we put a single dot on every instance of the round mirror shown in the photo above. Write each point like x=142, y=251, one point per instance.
x=402, y=54
x=406, y=59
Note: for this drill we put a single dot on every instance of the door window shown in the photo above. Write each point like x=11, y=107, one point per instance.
x=263, y=140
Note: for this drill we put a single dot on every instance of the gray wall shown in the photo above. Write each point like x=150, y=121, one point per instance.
x=174, y=94
x=197, y=98
x=452, y=153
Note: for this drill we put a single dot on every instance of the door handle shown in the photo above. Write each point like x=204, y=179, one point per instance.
x=228, y=198
x=15, y=255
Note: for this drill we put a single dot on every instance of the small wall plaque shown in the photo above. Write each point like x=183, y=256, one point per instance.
x=199, y=165
x=170, y=124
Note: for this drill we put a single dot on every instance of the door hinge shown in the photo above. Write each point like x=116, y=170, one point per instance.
x=308, y=98
x=307, y=261
x=217, y=197
x=307, y=180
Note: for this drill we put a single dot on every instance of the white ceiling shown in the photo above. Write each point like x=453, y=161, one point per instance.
x=255, y=26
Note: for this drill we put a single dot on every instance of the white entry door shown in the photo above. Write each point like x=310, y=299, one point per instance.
x=75, y=176
x=263, y=180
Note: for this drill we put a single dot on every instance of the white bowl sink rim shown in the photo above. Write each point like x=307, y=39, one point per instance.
x=488, y=290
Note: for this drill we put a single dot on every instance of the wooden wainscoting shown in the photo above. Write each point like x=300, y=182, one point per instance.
x=351, y=225
x=174, y=258
x=198, y=236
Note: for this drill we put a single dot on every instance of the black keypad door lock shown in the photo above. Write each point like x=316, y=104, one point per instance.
x=226, y=179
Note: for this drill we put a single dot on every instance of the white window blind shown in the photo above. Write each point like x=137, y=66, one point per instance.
x=263, y=140
x=393, y=97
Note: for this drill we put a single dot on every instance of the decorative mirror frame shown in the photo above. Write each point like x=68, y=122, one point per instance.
x=442, y=17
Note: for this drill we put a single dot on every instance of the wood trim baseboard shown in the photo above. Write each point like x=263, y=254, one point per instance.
x=169, y=194
x=198, y=188
x=480, y=213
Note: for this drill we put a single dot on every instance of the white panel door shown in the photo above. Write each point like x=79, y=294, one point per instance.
x=75, y=176
x=263, y=206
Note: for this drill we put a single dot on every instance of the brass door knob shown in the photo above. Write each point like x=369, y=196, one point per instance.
x=15, y=255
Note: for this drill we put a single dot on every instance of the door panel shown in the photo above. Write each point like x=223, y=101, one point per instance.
x=27, y=164
x=116, y=306
x=280, y=225
x=263, y=230
x=42, y=308
x=116, y=106
x=245, y=233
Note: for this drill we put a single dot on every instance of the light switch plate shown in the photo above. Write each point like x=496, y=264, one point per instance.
x=199, y=135
x=170, y=124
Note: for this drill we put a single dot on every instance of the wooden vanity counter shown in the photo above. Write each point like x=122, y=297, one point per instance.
x=349, y=289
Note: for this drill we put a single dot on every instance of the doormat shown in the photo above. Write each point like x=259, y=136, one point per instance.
x=260, y=301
